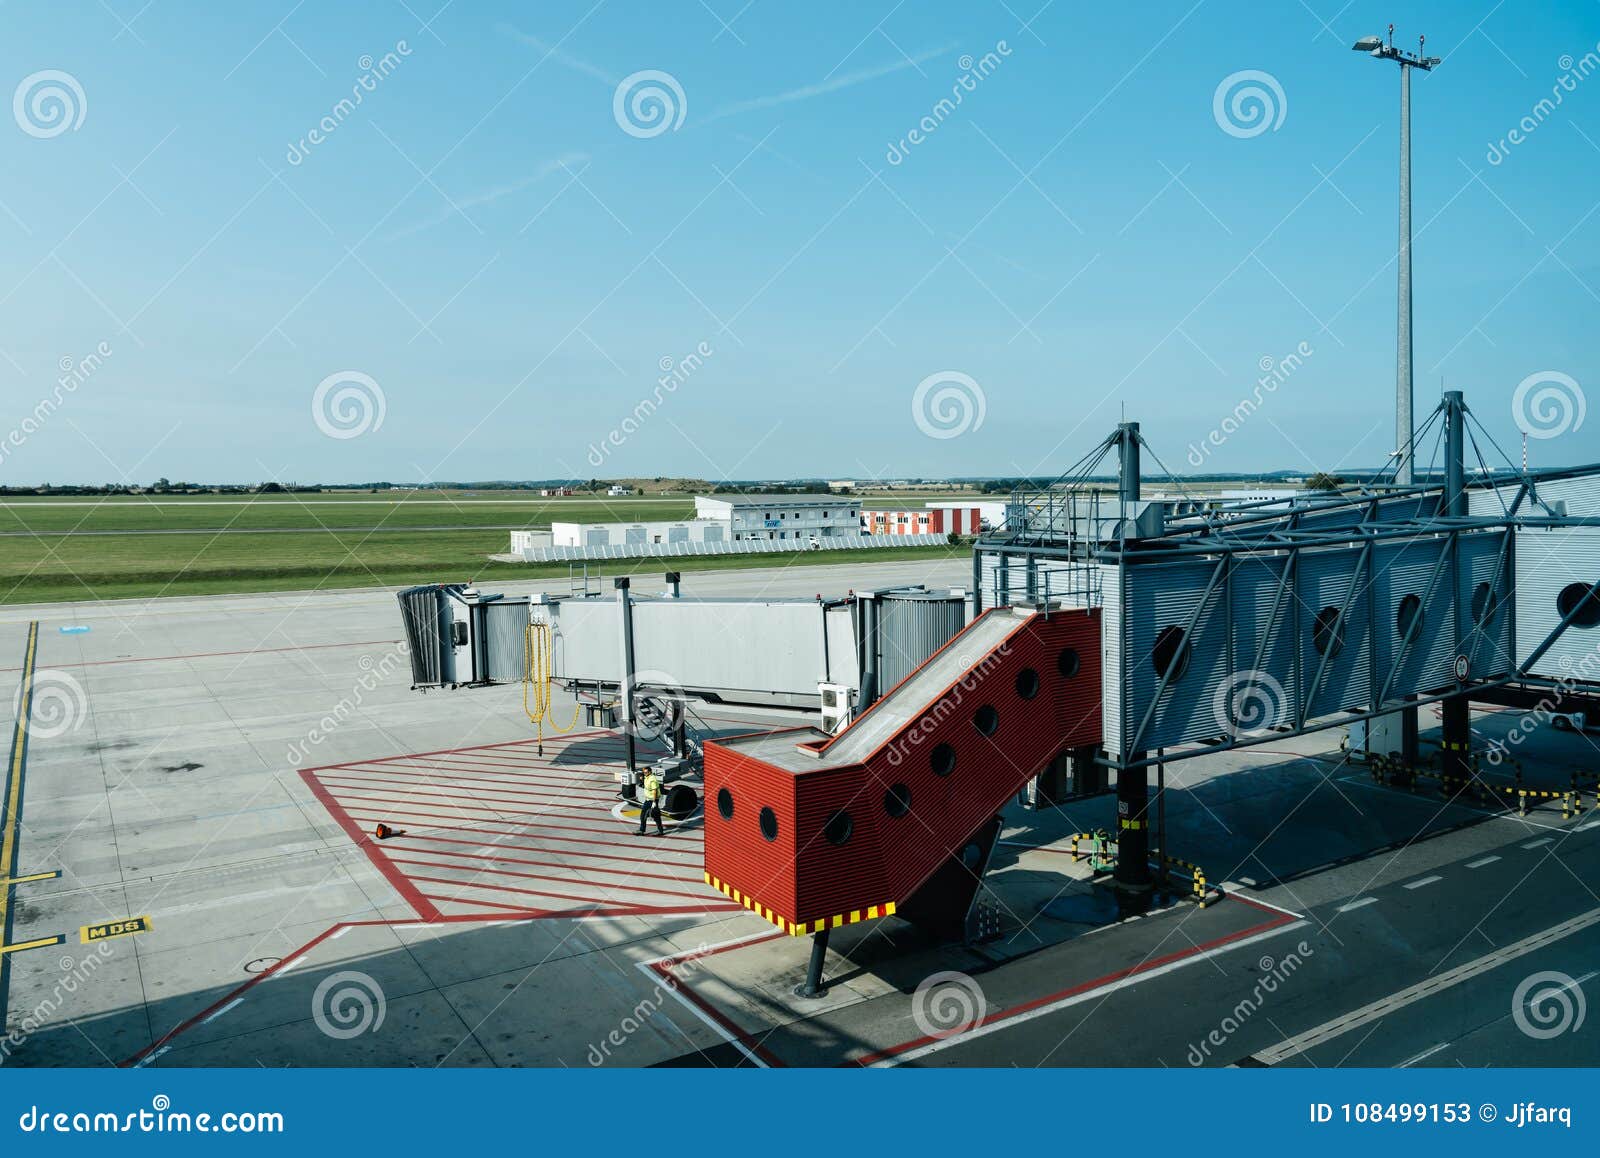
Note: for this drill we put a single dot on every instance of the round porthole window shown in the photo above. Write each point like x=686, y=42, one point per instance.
x=1580, y=601
x=1067, y=663
x=1027, y=683
x=838, y=827
x=1408, y=616
x=725, y=803
x=942, y=759
x=1327, y=631
x=1171, y=653
x=986, y=719
x=1483, y=604
x=897, y=801
x=768, y=820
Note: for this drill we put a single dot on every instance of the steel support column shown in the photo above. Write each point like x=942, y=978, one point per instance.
x=1133, y=828
x=813, y=986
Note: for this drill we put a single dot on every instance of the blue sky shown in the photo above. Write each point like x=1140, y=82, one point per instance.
x=484, y=240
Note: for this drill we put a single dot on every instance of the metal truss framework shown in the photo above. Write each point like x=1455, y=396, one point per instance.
x=1222, y=605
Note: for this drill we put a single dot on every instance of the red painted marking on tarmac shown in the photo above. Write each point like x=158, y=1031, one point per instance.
x=503, y=794
x=490, y=845
x=479, y=873
x=473, y=748
x=601, y=905
x=629, y=874
x=565, y=772
x=415, y=786
x=521, y=826
x=413, y=896
x=461, y=811
x=664, y=967
x=753, y=1042
x=1003, y=1015
x=515, y=915
x=586, y=842
x=216, y=654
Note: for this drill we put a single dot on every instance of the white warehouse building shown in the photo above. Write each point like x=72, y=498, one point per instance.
x=723, y=524
x=782, y=517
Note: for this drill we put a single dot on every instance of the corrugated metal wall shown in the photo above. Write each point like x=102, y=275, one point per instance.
x=1546, y=563
x=1332, y=582
x=1275, y=657
x=1409, y=568
x=1486, y=638
x=911, y=627
x=500, y=640
x=426, y=618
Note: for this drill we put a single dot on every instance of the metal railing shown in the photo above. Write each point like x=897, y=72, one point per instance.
x=1067, y=584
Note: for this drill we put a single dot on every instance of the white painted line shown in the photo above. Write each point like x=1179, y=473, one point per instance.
x=1481, y=861
x=646, y=968
x=1251, y=881
x=1429, y=987
x=1587, y=825
x=1076, y=998
x=1364, y=901
x=340, y=933
x=224, y=1009
x=152, y=1057
x=1541, y=840
x=1265, y=905
x=1427, y=1053
x=282, y=969
x=1424, y=881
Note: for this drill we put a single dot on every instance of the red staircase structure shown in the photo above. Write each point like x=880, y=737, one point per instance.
x=814, y=832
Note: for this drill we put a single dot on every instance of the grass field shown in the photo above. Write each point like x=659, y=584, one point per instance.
x=55, y=552
x=341, y=511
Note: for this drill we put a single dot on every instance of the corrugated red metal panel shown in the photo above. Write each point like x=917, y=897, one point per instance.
x=736, y=851
x=921, y=795
x=901, y=852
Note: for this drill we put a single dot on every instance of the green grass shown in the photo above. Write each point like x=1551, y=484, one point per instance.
x=331, y=512
x=340, y=511
x=316, y=541
x=54, y=568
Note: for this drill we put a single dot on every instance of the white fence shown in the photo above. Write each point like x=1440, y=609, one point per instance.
x=742, y=547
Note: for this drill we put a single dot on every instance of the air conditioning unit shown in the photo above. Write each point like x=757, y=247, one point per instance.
x=835, y=707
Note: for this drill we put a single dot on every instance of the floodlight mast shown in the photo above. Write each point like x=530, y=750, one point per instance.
x=1377, y=47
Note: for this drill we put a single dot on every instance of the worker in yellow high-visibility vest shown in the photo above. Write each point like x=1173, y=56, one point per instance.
x=650, y=801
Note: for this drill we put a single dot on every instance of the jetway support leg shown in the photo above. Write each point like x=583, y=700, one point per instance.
x=819, y=952
x=1456, y=742
x=1410, y=752
x=1133, y=829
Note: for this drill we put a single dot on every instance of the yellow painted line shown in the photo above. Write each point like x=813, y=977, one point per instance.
x=10, y=819
x=126, y=927
x=40, y=943
x=49, y=876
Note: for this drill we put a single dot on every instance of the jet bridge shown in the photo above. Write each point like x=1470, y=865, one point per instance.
x=791, y=653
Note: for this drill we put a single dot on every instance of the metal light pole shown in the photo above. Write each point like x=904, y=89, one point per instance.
x=1374, y=46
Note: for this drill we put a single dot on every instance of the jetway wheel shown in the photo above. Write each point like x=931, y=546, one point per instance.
x=680, y=802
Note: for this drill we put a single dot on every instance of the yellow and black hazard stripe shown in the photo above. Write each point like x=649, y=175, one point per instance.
x=801, y=928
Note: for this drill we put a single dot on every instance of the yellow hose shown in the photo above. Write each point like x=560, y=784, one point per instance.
x=537, y=693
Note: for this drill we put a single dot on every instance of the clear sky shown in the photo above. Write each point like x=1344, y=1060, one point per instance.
x=509, y=248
